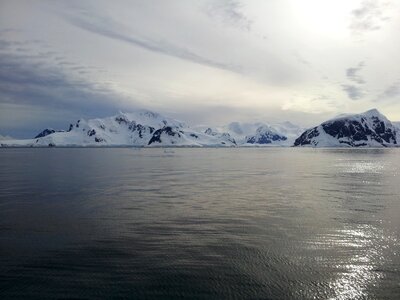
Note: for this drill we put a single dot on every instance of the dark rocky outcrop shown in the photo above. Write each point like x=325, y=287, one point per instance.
x=140, y=129
x=46, y=132
x=167, y=130
x=307, y=137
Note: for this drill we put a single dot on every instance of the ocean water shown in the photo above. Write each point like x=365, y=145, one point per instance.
x=199, y=223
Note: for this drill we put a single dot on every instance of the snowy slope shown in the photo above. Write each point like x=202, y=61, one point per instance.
x=368, y=129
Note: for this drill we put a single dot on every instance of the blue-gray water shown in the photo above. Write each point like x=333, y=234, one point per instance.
x=199, y=223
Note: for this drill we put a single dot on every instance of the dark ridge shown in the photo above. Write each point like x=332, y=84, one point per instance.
x=156, y=138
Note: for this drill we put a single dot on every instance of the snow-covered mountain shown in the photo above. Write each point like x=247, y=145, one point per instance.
x=148, y=129
x=140, y=128
x=260, y=134
x=368, y=129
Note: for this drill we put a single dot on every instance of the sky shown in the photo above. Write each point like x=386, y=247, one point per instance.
x=200, y=61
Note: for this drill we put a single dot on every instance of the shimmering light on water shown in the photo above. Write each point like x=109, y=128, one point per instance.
x=199, y=223
x=361, y=167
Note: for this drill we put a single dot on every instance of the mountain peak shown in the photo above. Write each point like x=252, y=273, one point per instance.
x=373, y=112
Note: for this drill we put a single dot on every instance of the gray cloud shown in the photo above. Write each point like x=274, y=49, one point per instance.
x=32, y=82
x=169, y=55
x=353, y=92
x=6, y=44
x=389, y=95
x=106, y=26
x=229, y=12
x=370, y=16
x=9, y=30
x=353, y=73
x=26, y=82
x=392, y=91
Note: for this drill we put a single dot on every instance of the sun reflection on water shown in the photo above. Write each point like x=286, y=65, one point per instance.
x=360, y=167
x=361, y=256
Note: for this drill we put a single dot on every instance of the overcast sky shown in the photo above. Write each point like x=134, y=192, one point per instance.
x=204, y=62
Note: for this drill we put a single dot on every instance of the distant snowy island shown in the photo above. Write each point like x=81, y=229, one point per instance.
x=144, y=128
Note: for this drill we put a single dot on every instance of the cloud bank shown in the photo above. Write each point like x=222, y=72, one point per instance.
x=203, y=61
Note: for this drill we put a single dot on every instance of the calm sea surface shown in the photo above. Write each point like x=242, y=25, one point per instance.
x=199, y=223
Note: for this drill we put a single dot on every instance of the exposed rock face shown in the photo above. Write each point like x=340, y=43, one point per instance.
x=140, y=129
x=307, y=137
x=46, y=132
x=160, y=135
x=91, y=132
x=369, y=129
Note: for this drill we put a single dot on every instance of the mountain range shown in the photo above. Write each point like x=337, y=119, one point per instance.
x=143, y=128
